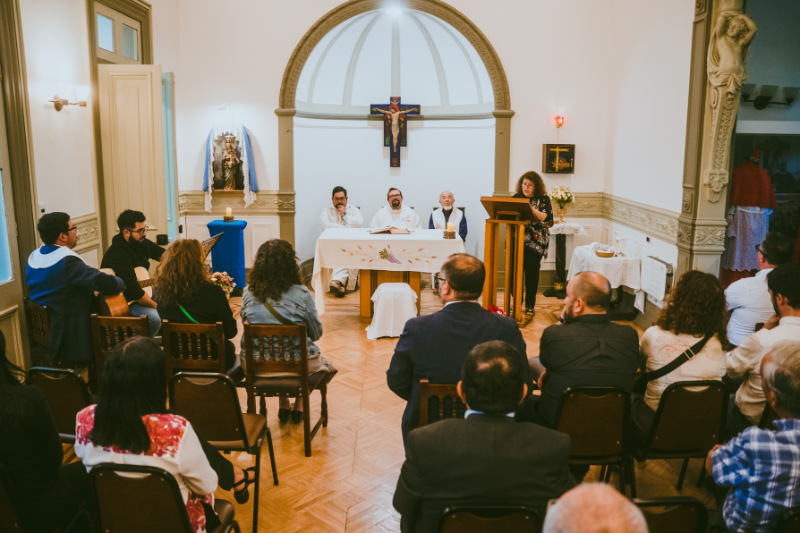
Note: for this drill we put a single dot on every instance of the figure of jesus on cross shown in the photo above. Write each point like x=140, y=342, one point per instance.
x=394, y=126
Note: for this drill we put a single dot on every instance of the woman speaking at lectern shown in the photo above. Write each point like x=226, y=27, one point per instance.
x=537, y=233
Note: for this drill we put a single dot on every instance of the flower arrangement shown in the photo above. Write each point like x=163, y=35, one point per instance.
x=562, y=196
x=222, y=279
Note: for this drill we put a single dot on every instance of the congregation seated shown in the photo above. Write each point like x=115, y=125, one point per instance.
x=130, y=424
x=761, y=467
x=131, y=248
x=185, y=294
x=594, y=508
x=31, y=453
x=434, y=347
x=59, y=279
x=275, y=295
x=747, y=406
x=486, y=458
x=694, y=314
x=748, y=299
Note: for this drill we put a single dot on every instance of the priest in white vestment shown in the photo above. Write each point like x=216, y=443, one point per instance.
x=448, y=215
x=341, y=215
x=396, y=214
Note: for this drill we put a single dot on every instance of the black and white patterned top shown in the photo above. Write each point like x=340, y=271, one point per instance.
x=537, y=233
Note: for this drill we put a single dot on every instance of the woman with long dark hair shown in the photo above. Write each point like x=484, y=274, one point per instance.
x=131, y=424
x=276, y=295
x=31, y=453
x=537, y=233
x=695, y=310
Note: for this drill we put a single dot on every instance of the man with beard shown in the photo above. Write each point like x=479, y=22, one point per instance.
x=341, y=215
x=745, y=361
x=395, y=214
x=129, y=249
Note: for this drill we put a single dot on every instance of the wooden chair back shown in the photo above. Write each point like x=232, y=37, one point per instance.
x=438, y=401
x=767, y=418
x=596, y=419
x=66, y=394
x=789, y=522
x=210, y=403
x=121, y=498
x=9, y=502
x=489, y=520
x=668, y=515
x=690, y=416
x=193, y=346
x=274, y=352
x=38, y=319
x=107, y=332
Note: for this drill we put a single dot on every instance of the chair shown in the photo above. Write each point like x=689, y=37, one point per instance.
x=107, y=332
x=446, y=402
x=277, y=358
x=596, y=419
x=38, y=319
x=210, y=402
x=767, y=418
x=789, y=522
x=190, y=347
x=144, y=498
x=66, y=394
x=668, y=515
x=689, y=421
x=489, y=520
x=11, y=522
x=394, y=304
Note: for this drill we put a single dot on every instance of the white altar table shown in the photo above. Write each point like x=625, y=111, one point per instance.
x=424, y=250
x=625, y=269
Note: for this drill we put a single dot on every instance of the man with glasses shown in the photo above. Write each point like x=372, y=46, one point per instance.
x=395, y=214
x=131, y=248
x=748, y=299
x=60, y=280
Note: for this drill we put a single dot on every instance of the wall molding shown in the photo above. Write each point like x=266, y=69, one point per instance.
x=88, y=232
x=275, y=202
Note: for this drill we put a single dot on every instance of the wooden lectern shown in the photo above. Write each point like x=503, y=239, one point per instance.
x=515, y=213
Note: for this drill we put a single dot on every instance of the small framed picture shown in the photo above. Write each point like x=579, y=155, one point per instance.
x=558, y=158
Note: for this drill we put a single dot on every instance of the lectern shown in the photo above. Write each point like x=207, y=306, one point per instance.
x=515, y=213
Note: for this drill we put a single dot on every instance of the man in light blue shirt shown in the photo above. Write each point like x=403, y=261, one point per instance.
x=748, y=299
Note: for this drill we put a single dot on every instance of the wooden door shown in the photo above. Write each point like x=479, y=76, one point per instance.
x=133, y=145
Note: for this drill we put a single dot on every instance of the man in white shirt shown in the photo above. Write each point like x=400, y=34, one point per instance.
x=341, y=215
x=745, y=361
x=748, y=298
x=395, y=214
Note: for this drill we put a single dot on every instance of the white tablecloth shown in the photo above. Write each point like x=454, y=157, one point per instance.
x=624, y=270
x=395, y=304
x=568, y=228
x=424, y=250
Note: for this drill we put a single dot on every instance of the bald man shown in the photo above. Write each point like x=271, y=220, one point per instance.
x=584, y=349
x=594, y=508
x=448, y=214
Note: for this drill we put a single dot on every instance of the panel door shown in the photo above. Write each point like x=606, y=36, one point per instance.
x=133, y=145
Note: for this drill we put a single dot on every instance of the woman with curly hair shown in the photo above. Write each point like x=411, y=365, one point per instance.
x=537, y=233
x=185, y=294
x=275, y=281
x=695, y=310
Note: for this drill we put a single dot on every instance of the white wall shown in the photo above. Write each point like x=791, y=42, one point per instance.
x=456, y=155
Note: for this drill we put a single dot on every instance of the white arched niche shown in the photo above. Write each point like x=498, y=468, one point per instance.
x=363, y=61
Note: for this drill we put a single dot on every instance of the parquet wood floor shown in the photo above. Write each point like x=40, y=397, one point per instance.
x=348, y=483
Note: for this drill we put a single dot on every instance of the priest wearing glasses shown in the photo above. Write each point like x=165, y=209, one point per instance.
x=395, y=214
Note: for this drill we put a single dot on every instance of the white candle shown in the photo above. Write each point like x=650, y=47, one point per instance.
x=449, y=226
x=228, y=213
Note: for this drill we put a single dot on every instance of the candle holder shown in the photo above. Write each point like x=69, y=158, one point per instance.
x=227, y=218
x=449, y=234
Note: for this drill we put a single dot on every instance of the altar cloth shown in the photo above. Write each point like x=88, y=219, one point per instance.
x=625, y=270
x=228, y=254
x=423, y=250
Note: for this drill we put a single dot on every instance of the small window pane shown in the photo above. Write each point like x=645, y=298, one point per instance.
x=130, y=46
x=105, y=33
x=5, y=251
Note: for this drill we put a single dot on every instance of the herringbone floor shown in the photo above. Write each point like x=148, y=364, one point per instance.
x=348, y=483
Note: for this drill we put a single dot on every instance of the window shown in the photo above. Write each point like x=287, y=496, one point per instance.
x=5, y=250
x=105, y=33
x=118, y=37
x=130, y=42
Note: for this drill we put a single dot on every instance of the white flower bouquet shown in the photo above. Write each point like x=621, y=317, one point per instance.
x=223, y=280
x=562, y=196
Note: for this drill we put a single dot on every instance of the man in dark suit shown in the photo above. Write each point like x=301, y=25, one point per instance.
x=485, y=458
x=435, y=346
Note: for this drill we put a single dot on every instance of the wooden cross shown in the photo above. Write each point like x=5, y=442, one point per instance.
x=394, y=125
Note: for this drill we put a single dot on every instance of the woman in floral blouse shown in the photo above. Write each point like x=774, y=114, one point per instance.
x=537, y=233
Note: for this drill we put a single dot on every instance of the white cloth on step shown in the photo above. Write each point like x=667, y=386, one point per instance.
x=395, y=304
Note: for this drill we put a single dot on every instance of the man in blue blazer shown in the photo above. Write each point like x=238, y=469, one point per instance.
x=434, y=347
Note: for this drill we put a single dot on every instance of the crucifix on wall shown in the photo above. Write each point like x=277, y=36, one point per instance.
x=394, y=126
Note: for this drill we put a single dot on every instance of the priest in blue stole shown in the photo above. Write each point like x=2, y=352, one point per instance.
x=59, y=279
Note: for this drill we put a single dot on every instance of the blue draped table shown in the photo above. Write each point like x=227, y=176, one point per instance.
x=228, y=254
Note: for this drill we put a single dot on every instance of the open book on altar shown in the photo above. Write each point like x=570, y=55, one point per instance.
x=390, y=229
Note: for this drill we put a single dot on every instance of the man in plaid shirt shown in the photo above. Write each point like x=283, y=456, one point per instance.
x=761, y=467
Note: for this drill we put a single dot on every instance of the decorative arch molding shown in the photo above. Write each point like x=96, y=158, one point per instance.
x=348, y=10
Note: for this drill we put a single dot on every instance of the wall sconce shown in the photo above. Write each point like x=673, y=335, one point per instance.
x=559, y=122
x=766, y=93
x=61, y=99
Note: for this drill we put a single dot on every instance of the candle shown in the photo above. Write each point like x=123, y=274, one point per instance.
x=449, y=226
x=228, y=213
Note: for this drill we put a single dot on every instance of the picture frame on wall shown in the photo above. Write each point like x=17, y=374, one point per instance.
x=558, y=158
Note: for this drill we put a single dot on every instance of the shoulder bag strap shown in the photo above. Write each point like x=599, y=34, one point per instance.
x=280, y=318
x=190, y=317
x=678, y=361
